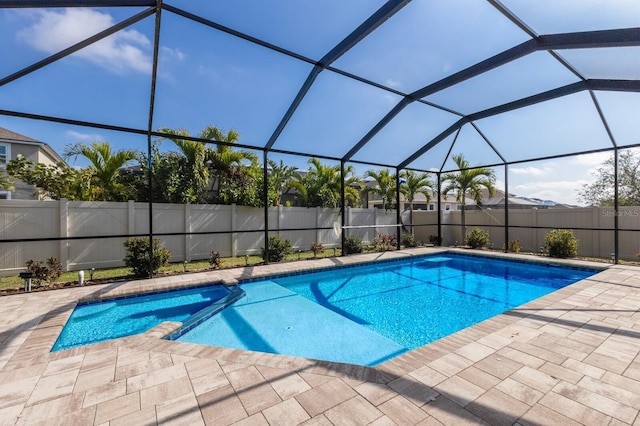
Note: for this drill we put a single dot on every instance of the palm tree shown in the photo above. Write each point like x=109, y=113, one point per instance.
x=235, y=172
x=204, y=165
x=415, y=183
x=385, y=186
x=321, y=185
x=105, y=166
x=224, y=158
x=468, y=181
x=194, y=175
x=280, y=177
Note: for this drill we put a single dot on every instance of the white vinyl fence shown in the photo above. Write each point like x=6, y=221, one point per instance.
x=239, y=230
x=599, y=243
x=230, y=230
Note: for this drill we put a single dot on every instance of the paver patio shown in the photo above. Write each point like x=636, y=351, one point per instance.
x=571, y=357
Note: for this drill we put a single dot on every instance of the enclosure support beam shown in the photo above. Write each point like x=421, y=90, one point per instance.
x=152, y=102
x=439, y=195
x=342, y=211
x=616, y=230
x=506, y=208
x=398, y=212
x=265, y=200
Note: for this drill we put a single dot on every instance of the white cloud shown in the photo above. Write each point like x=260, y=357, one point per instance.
x=83, y=136
x=392, y=83
x=561, y=191
x=595, y=159
x=172, y=54
x=124, y=51
x=535, y=171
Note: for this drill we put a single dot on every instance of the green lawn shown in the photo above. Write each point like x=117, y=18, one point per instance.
x=102, y=275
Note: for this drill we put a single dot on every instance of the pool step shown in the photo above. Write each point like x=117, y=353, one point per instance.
x=202, y=315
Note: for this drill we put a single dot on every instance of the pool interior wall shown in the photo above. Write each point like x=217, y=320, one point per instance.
x=346, y=315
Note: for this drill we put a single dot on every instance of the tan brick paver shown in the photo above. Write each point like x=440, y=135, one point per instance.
x=572, y=357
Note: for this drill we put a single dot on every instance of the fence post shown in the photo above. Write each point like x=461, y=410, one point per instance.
x=131, y=217
x=595, y=235
x=63, y=254
x=375, y=223
x=234, y=222
x=318, y=224
x=187, y=232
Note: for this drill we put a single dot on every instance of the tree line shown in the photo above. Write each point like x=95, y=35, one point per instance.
x=195, y=172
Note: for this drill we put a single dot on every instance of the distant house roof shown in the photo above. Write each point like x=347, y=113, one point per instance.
x=8, y=135
x=13, y=137
x=495, y=201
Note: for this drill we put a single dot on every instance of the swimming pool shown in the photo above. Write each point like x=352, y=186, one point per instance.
x=368, y=314
x=363, y=314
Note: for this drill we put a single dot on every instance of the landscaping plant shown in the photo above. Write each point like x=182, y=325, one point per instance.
x=278, y=249
x=353, y=245
x=42, y=272
x=514, y=246
x=408, y=240
x=561, y=243
x=478, y=238
x=137, y=257
x=214, y=260
x=384, y=242
x=316, y=248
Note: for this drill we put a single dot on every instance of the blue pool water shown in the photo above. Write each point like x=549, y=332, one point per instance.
x=99, y=321
x=368, y=314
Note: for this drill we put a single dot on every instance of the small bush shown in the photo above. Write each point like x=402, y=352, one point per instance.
x=408, y=240
x=478, y=238
x=435, y=240
x=137, y=257
x=384, y=242
x=278, y=249
x=514, y=246
x=42, y=272
x=214, y=260
x=353, y=245
x=561, y=243
x=316, y=248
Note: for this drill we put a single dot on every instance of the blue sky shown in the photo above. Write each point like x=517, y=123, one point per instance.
x=208, y=77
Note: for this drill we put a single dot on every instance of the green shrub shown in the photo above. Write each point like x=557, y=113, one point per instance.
x=478, y=238
x=48, y=272
x=214, y=260
x=435, y=240
x=353, y=245
x=514, y=246
x=278, y=249
x=561, y=243
x=316, y=248
x=137, y=257
x=384, y=242
x=408, y=239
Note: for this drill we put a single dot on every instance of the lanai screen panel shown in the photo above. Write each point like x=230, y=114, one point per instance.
x=208, y=77
x=527, y=76
x=336, y=112
x=427, y=41
x=307, y=28
x=113, y=71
